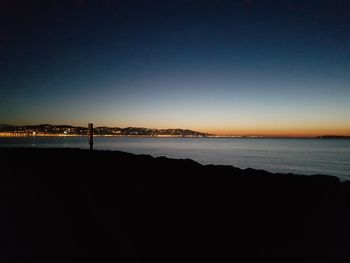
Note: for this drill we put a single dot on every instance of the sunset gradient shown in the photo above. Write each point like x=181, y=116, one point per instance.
x=222, y=67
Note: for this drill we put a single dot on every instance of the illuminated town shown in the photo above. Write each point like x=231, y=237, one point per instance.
x=67, y=130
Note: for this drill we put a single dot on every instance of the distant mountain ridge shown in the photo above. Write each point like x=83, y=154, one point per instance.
x=49, y=129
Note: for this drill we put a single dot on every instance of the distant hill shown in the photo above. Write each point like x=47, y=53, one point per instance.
x=49, y=129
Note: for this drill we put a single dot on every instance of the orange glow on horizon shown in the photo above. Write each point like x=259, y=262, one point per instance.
x=244, y=128
x=280, y=132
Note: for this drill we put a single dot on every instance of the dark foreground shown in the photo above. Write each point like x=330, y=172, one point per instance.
x=68, y=205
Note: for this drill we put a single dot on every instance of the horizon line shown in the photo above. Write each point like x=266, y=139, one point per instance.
x=251, y=135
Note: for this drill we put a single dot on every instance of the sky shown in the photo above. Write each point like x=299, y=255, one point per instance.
x=226, y=67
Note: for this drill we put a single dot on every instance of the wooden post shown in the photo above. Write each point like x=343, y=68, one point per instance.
x=91, y=135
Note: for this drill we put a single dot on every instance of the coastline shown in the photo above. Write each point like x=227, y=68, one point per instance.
x=93, y=206
x=323, y=137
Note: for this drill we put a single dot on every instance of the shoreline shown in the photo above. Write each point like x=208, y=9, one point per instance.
x=22, y=149
x=156, y=147
x=175, y=136
x=229, y=166
x=77, y=205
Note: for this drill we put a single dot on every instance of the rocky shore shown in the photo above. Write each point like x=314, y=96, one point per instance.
x=71, y=205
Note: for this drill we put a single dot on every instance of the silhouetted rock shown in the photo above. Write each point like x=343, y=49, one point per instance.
x=71, y=205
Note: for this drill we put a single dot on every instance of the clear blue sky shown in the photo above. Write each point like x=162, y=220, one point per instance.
x=227, y=67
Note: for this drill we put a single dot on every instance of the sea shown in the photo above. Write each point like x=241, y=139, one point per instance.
x=299, y=156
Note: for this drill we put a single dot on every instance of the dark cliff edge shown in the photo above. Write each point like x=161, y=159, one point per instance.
x=70, y=205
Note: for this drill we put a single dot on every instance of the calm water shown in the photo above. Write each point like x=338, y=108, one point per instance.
x=304, y=156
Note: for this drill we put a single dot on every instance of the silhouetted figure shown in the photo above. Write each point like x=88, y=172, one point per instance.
x=91, y=136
